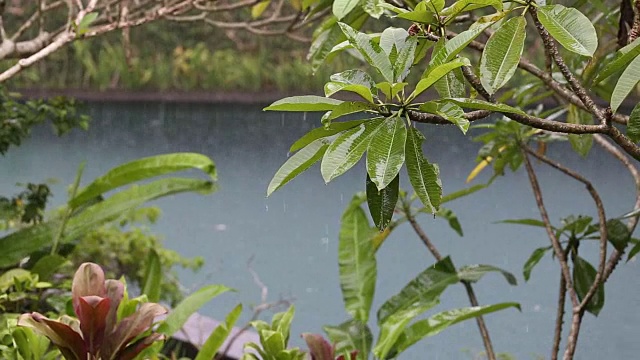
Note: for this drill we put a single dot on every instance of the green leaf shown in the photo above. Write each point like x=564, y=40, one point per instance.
x=533, y=260
x=258, y=9
x=627, y=81
x=618, y=234
x=404, y=61
x=304, y=103
x=347, y=149
x=435, y=73
x=502, y=53
x=333, y=87
x=192, y=303
x=633, y=125
x=530, y=222
x=424, y=176
x=420, y=14
x=21, y=243
x=463, y=192
x=390, y=90
x=353, y=77
x=152, y=277
x=451, y=217
x=349, y=107
x=349, y=336
x=210, y=347
x=343, y=7
x=297, y=164
x=583, y=276
x=571, y=28
x=451, y=85
x=322, y=132
x=357, y=263
x=143, y=169
x=449, y=111
x=383, y=202
x=47, y=266
x=455, y=45
x=438, y=322
x=370, y=50
x=634, y=251
x=86, y=21
x=426, y=287
x=328, y=34
x=375, y=8
x=623, y=57
x=473, y=273
x=393, y=327
x=478, y=104
x=385, y=154
x=461, y=6
x=581, y=143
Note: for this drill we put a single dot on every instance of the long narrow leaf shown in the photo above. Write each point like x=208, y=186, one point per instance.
x=628, y=80
x=385, y=154
x=20, y=244
x=349, y=336
x=425, y=287
x=502, y=53
x=297, y=164
x=474, y=273
x=571, y=28
x=441, y=321
x=424, y=176
x=382, y=203
x=322, y=132
x=192, y=303
x=623, y=57
x=143, y=169
x=219, y=335
x=370, y=50
x=152, y=277
x=304, y=103
x=357, y=263
x=347, y=149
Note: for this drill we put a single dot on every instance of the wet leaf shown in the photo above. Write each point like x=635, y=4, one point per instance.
x=584, y=275
x=348, y=148
x=571, y=28
x=501, y=55
x=441, y=321
x=533, y=260
x=385, y=154
x=474, y=273
x=424, y=176
x=426, y=287
x=357, y=263
x=382, y=203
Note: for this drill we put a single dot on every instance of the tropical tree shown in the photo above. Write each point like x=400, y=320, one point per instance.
x=473, y=64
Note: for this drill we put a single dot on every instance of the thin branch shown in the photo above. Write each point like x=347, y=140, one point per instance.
x=574, y=83
x=555, y=243
x=615, y=257
x=482, y=326
x=602, y=219
x=557, y=334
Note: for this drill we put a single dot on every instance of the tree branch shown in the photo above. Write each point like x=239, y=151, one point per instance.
x=482, y=326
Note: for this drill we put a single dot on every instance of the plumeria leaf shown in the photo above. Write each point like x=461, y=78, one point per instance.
x=502, y=53
x=297, y=164
x=571, y=28
x=385, y=155
x=424, y=176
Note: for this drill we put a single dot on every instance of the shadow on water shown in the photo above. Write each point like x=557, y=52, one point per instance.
x=293, y=234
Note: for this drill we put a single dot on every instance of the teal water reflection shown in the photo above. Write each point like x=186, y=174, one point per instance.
x=293, y=234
